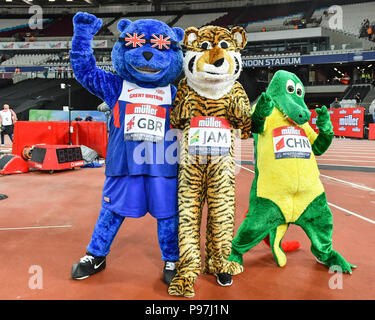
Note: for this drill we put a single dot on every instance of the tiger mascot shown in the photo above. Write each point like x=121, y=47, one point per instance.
x=209, y=106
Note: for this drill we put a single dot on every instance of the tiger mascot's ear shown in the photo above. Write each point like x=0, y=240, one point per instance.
x=190, y=36
x=239, y=36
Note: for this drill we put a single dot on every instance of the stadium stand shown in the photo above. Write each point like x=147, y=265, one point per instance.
x=27, y=59
x=19, y=28
x=45, y=94
x=353, y=16
x=262, y=14
x=197, y=20
x=363, y=90
x=254, y=18
x=165, y=18
x=60, y=27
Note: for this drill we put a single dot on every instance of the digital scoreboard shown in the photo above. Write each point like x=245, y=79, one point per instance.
x=56, y=157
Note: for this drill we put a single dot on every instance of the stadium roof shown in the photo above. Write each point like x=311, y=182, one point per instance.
x=90, y=3
x=70, y=4
x=67, y=2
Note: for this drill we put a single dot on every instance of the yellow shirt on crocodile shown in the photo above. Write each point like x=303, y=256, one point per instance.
x=288, y=171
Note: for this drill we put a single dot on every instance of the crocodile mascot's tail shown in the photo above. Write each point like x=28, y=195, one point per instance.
x=286, y=245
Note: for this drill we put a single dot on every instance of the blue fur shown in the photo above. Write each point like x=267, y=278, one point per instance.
x=107, y=86
x=105, y=230
x=168, y=241
x=170, y=61
x=109, y=223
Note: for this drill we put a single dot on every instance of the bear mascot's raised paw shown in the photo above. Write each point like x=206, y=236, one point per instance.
x=147, y=58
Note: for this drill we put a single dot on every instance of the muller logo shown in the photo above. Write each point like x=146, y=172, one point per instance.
x=210, y=122
x=348, y=121
x=146, y=109
x=290, y=130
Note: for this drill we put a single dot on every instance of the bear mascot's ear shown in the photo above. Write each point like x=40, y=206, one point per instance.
x=190, y=36
x=239, y=36
x=122, y=24
x=179, y=33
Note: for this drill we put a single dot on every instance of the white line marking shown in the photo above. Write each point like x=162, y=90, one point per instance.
x=326, y=154
x=352, y=213
x=331, y=204
x=329, y=177
x=40, y=227
x=351, y=156
x=348, y=149
x=245, y=168
x=350, y=183
x=344, y=160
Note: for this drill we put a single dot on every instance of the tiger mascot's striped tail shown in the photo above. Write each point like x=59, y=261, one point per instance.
x=210, y=105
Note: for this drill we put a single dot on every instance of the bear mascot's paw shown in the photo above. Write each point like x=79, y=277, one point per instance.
x=86, y=24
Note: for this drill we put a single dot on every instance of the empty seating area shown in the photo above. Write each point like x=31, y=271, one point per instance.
x=26, y=60
x=255, y=18
x=363, y=90
x=271, y=24
x=185, y=21
x=49, y=59
x=198, y=20
x=353, y=16
x=349, y=100
x=262, y=14
x=113, y=26
x=18, y=28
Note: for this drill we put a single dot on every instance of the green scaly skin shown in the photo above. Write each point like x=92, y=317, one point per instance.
x=286, y=93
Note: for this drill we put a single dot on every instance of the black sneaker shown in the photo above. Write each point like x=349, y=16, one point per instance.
x=224, y=279
x=169, y=271
x=87, y=266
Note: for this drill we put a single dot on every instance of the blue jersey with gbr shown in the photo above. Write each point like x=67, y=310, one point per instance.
x=141, y=141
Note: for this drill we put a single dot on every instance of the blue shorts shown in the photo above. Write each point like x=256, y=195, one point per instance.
x=134, y=196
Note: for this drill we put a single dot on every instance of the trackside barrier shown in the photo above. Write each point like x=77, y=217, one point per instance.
x=89, y=133
x=347, y=122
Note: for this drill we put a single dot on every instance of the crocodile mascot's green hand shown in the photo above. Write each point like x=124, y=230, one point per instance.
x=323, y=120
x=286, y=188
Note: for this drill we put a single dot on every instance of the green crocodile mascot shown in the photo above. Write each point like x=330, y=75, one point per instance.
x=286, y=188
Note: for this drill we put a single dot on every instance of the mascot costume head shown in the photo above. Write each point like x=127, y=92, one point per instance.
x=213, y=62
x=147, y=58
x=148, y=52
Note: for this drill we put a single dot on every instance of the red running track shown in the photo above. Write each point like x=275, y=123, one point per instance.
x=48, y=219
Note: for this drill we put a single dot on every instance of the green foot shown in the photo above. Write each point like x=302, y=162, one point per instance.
x=336, y=260
x=236, y=257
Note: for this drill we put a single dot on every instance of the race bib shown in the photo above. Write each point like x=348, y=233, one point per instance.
x=209, y=136
x=291, y=142
x=144, y=122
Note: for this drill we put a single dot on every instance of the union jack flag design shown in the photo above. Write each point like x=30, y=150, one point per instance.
x=130, y=124
x=134, y=40
x=160, y=42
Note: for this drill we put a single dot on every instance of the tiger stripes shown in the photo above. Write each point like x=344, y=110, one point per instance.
x=206, y=178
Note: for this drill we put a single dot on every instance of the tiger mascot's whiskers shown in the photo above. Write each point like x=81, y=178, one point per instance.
x=210, y=106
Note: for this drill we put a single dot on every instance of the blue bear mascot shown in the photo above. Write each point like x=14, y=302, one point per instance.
x=141, y=164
